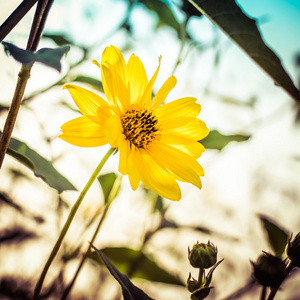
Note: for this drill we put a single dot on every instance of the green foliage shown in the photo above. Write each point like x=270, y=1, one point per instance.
x=217, y=140
x=129, y=290
x=228, y=16
x=39, y=165
x=107, y=182
x=47, y=56
x=135, y=263
x=164, y=13
x=95, y=83
x=58, y=39
x=277, y=236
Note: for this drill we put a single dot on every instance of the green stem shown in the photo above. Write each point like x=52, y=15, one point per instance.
x=111, y=197
x=68, y=223
x=200, y=276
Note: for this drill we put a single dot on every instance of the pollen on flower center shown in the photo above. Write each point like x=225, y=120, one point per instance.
x=140, y=127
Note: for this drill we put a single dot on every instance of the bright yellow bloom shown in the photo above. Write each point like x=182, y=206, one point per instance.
x=158, y=144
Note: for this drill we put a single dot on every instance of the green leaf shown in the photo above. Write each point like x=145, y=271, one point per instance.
x=129, y=290
x=165, y=14
x=95, y=83
x=136, y=264
x=107, y=181
x=277, y=236
x=217, y=140
x=228, y=16
x=39, y=165
x=47, y=56
x=58, y=39
x=210, y=273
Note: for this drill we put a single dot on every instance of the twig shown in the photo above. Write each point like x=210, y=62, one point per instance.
x=15, y=17
x=38, y=23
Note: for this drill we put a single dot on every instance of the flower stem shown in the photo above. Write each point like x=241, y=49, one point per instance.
x=68, y=223
x=200, y=275
x=111, y=197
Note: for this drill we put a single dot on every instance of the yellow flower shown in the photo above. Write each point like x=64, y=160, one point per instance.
x=158, y=144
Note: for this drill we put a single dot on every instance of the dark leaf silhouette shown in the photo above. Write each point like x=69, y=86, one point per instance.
x=228, y=16
x=135, y=263
x=130, y=291
x=277, y=236
x=47, y=56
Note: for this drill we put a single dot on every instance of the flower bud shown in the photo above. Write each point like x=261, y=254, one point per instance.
x=269, y=270
x=293, y=250
x=203, y=255
x=201, y=293
x=192, y=284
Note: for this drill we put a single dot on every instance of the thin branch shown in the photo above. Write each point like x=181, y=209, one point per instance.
x=38, y=23
x=15, y=17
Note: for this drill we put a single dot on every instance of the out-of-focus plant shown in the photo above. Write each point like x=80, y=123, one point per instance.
x=202, y=257
x=270, y=269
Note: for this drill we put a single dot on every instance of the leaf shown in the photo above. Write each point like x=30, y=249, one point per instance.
x=47, y=56
x=39, y=165
x=136, y=264
x=210, y=273
x=217, y=140
x=58, y=39
x=130, y=291
x=228, y=16
x=95, y=83
x=107, y=182
x=165, y=14
x=277, y=236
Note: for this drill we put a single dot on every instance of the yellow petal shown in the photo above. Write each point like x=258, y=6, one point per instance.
x=114, y=75
x=87, y=101
x=147, y=96
x=104, y=83
x=195, y=130
x=124, y=150
x=83, y=132
x=137, y=78
x=178, y=112
x=134, y=161
x=181, y=164
x=188, y=146
x=158, y=178
x=113, y=129
x=113, y=57
x=194, y=149
x=163, y=92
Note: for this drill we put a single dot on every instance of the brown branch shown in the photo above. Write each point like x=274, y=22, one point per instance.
x=15, y=17
x=38, y=23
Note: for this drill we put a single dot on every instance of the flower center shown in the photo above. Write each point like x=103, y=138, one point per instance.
x=140, y=127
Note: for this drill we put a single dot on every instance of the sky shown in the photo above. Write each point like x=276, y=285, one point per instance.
x=279, y=22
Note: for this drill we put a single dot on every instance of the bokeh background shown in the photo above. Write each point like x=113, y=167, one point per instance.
x=243, y=180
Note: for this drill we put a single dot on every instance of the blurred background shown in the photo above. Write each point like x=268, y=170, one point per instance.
x=255, y=174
